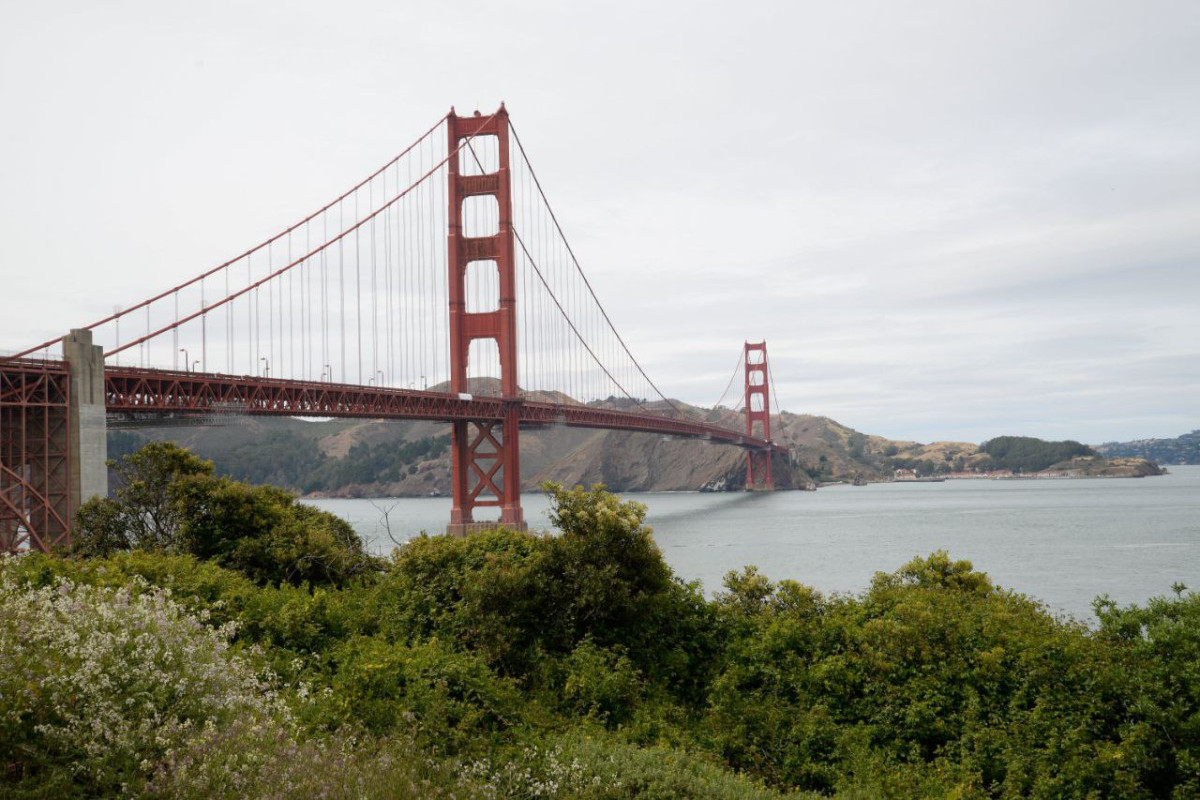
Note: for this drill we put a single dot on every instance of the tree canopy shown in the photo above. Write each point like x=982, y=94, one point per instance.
x=168, y=500
x=1027, y=454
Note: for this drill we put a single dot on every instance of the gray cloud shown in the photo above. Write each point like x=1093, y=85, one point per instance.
x=948, y=220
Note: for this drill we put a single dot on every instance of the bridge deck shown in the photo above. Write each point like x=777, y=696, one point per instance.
x=136, y=391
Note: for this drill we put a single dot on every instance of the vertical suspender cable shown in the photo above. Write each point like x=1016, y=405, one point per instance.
x=523, y=332
x=203, y=332
x=271, y=310
x=390, y=287
x=405, y=283
x=306, y=343
x=249, y=318
x=291, y=314
x=442, y=266
x=374, y=295
x=325, y=359
x=342, y=286
x=421, y=277
x=358, y=320
x=387, y=323
x=228, y=327
x=412, y=247
x=257, y=334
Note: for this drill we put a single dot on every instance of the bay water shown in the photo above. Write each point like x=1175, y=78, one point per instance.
x=1063, y=542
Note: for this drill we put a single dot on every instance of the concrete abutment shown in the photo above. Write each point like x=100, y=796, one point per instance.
x=86, y=418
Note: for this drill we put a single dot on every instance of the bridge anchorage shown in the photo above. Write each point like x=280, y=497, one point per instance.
x=410, y=296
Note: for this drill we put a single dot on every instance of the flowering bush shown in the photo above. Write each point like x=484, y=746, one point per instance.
x=100, y=688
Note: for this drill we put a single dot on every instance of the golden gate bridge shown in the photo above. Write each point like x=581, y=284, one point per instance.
x=441, y=287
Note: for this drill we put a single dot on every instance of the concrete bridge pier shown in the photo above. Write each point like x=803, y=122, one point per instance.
x=87, y=422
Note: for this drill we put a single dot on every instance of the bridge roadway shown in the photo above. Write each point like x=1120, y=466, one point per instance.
x=130, y=390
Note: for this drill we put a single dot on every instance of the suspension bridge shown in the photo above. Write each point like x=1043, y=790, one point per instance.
x=441, y=287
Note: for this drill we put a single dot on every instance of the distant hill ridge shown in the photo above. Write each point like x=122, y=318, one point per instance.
x=1183, y=449
x=400, y=458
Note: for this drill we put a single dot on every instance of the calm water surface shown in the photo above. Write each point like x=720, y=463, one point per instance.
x=1061, y=541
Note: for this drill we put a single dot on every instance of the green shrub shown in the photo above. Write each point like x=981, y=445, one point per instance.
x=144, y=514
x=1159, y=667
x=204, y=588
x=932, y=669
x=452, y=700
x=601, y=683
x=470, y=591
x=603, y=575
x=168, y=500
x=519, y=599
x=516, y=665
x=263, y=533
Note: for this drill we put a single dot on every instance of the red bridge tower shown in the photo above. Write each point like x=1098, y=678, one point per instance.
x=486, y=464
x=758, y=417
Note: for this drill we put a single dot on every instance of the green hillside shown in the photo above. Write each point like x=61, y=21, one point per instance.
x=1183, y=449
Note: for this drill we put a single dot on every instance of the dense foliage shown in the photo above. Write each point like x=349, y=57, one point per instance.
x=169, y=500
x=1026, y=454
x=572, y=665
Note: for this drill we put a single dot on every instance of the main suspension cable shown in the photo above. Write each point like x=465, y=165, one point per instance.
x=313, y=252
x=538, y=184
x=732, y=378
x=117, y=314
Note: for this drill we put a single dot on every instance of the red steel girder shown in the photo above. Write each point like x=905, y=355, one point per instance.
x=130, y=390
x=35, y=450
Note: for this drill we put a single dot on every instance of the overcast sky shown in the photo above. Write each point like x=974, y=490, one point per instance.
x=949, y=220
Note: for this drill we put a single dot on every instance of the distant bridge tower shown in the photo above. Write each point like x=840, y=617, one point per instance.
x=758, y=417
x=486, y=464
